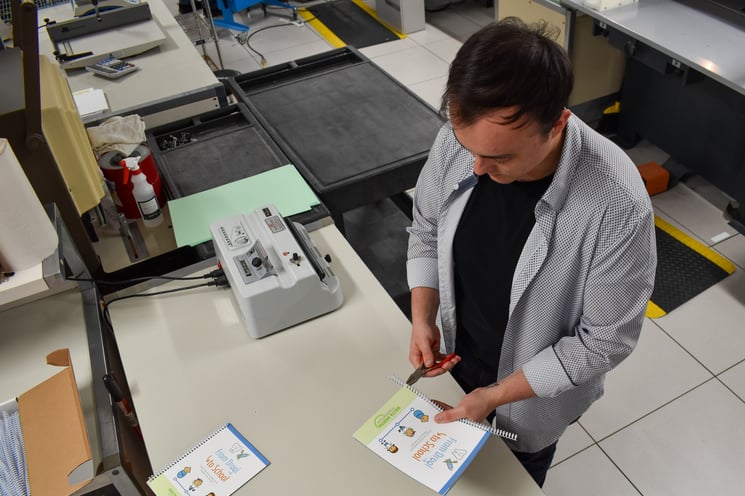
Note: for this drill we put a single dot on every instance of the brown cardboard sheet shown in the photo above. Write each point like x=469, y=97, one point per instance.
x=58, y=455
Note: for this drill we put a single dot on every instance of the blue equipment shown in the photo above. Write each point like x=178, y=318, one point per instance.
x=229, y=7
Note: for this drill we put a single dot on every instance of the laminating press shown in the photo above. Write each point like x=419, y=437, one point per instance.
x=276, y=272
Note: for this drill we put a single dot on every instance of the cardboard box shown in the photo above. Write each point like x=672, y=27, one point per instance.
x=58, y=454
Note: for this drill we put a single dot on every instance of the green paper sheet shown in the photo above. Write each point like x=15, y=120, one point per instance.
x=282, y=187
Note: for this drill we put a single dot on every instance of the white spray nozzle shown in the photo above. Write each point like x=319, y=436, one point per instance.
x=131, y=163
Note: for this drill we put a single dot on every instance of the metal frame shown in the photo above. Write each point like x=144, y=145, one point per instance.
x=114, y=479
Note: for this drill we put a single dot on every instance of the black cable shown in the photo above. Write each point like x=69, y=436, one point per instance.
x=214, y=274
x=263, y=60
x=217, y=281
x=248, y=39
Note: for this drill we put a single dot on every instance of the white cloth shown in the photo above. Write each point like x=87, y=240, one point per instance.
x=120, y=134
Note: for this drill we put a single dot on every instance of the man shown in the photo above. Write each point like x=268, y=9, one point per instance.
x=531, y=251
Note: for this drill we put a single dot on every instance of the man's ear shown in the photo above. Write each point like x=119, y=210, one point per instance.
x=559, y=125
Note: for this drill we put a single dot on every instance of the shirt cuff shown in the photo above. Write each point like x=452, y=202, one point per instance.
x=546, y=375
x=422, y=272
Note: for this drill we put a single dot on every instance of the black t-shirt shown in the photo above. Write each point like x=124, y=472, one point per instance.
x=491, y=234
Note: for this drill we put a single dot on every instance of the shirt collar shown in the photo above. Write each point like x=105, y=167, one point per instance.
x=557, y=192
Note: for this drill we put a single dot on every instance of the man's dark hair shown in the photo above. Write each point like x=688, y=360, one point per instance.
x=509, y=64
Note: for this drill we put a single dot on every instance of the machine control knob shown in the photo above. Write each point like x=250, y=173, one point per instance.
x=256, y=262
x=327, y=257
x=295, y=258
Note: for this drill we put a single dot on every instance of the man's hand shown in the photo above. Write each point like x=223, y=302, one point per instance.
x=425, y=344
x=424, y=349
x=480, y=402
x=425, y=336
x=476, y=405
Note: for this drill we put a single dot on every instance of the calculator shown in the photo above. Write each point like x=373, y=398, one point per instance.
x=112, y=68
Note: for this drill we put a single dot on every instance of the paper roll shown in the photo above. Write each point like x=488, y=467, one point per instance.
x=27, y=236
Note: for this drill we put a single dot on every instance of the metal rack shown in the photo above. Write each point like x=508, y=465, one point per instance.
x=200, y=29
x=5, y=9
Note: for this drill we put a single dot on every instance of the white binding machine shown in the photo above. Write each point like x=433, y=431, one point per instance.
x=277, y=274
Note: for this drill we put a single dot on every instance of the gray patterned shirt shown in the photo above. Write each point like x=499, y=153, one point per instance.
x=581, y=284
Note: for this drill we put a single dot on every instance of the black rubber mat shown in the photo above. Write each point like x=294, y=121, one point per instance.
x=352, y=24
x=355, y=134
x=684, y=269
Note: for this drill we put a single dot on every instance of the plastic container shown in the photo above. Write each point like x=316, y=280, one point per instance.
x=143, y=192
x=121, y=192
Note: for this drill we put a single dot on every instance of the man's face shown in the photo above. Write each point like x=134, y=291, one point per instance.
x=517, y=151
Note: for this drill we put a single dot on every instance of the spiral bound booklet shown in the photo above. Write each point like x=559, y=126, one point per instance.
x=217, y=466
x=404, y=434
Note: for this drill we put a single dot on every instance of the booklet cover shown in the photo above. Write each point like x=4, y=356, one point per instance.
x=404, y=434
x=217, y=466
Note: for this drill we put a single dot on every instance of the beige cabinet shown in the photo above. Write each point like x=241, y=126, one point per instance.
x=598, y=67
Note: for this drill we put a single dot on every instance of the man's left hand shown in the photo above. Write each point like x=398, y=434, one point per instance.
x=480, y=402
x=476, y=405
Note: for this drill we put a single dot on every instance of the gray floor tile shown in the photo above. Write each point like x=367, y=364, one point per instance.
x=699, y=216
x=574, y=440
x=734, y=379
x=734, y=249
x=589, y=473
x=658, y=371
x=430, y=91
x=710, y=325
x=413, y=65
x=693, y=446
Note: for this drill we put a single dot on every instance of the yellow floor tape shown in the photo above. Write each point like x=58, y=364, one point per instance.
x=371, y=11
x=653, y=310
x=321, y=28
x=329, y=36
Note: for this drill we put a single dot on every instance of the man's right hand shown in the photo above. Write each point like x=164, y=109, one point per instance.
x=425, y=336
x=425, y=344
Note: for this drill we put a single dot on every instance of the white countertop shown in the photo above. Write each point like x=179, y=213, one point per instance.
x=297, y=395
x=173, y=70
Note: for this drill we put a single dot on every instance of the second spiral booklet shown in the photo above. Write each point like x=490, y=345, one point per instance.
x=404, y=434
x=217, y=466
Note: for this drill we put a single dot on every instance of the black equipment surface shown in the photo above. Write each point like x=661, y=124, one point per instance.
x=353, y=132
x=212, y=149
x=682, y=272
x=698, y=121
x=352, y=24
x=216, y=148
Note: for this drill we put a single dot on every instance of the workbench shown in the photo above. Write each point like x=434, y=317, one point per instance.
x=297, y=395
x=173, y=81
x=683, y=87
x=190, y=365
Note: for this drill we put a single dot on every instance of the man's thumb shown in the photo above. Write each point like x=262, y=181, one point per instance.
x=446, y=416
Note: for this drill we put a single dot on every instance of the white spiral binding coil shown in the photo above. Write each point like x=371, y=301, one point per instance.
x=484, y=427
x=13, y=475
x=191, y=450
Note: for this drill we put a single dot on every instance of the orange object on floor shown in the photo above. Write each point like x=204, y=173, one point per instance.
x=656, y=178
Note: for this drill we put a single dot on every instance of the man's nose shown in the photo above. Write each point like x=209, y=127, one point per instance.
x=479, y=166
